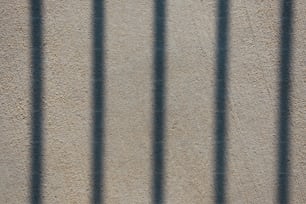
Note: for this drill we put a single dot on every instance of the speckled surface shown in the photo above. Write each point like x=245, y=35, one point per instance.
x=252, y=118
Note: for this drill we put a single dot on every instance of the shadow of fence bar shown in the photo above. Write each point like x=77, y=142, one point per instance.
x=284, y=102
x=221, y=100
x=159, y=109
x=37, y=93
x=98, y=95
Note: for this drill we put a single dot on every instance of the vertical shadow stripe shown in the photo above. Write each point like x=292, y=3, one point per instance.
x=159, y=109
x=37, y=93
x=284, y=102
x=98, y=101
x=220, y=101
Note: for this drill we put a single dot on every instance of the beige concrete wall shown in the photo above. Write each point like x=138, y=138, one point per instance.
x=252, y=105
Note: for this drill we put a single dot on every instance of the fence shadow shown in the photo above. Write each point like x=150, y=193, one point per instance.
x=98, y=101
x=37, y=93
x=220, y=101
x=159, y=108
x=284, y=102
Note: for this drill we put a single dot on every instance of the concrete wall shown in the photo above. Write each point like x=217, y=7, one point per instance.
x=67, y=112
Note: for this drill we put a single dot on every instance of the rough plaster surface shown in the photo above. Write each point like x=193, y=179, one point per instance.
x=189, y=145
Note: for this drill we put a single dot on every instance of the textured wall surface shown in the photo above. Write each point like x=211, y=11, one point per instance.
x=159, y=86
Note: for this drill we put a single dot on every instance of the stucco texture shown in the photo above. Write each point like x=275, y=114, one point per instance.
x=189, y=102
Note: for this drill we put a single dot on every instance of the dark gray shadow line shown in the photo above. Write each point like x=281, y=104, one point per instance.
x=220, y=101
x=284, y=102
x=37, y=93
x=98, y=101
x=159, y=109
